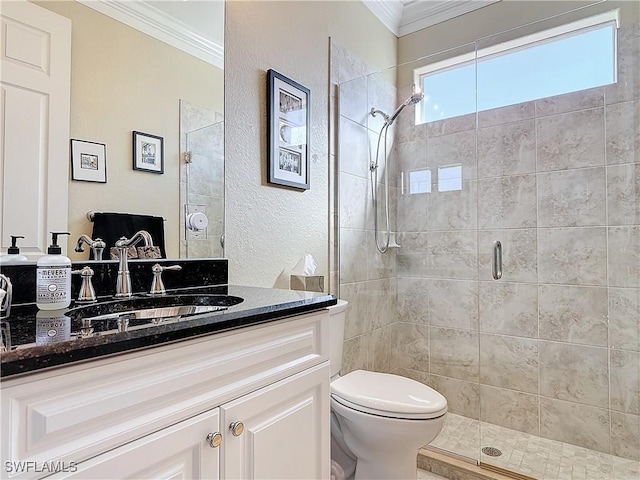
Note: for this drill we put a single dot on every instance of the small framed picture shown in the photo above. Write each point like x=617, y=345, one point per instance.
x=288, y=125
x=88, y=161
x=148, y=152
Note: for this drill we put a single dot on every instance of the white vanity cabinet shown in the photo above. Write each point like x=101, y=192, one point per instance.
x=149, y=414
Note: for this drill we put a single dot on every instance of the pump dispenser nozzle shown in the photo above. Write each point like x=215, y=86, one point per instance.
x=13, y=249
x=54, y=248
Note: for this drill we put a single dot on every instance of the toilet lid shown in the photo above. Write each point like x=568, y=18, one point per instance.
x=388, y=395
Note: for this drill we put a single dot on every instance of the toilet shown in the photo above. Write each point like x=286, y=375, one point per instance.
x=379, y=421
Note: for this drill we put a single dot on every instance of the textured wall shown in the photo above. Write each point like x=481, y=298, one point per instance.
x=268, y=229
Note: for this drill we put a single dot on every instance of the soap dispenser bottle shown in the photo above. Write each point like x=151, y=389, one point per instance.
x=13, y=256
x=53, y=277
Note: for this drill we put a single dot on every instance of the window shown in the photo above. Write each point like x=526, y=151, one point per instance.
x=565, y=59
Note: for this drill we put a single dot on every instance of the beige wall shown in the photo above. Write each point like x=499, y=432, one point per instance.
x=268, y=229
x=123, y=80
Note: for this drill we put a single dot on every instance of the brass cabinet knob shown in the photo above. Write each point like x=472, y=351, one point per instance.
x=214, y=439
x=236, y=428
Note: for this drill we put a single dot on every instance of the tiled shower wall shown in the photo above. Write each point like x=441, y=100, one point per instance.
x=551, y=349
x=202, y=180
x=367, y=280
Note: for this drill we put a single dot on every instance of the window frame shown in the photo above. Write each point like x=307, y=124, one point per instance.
x=611, y=17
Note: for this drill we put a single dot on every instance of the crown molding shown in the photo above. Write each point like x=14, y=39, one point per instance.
x=421, y=14
x=160, y=26
x=388, y=12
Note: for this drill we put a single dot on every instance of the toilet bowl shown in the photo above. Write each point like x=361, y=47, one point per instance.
x=379, y=420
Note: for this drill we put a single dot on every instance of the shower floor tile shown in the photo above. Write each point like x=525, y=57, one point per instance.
x=531, y=455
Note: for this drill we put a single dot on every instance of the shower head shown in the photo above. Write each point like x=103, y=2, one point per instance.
x=416, y=97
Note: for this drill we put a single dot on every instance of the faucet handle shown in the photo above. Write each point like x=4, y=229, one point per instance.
x=157, y=286
x=87, y=294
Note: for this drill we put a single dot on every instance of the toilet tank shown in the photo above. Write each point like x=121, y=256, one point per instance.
x=337, y=317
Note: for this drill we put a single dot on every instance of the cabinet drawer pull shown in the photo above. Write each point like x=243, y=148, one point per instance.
x=214, y=439
x=236, y=428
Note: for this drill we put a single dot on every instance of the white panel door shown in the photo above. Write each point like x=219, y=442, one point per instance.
x=35, y=51
x=181, y=451
x=286, y=430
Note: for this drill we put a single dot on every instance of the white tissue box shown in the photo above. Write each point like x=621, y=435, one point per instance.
x=308, y=283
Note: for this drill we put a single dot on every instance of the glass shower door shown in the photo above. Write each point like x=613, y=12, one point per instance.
x=559, y=189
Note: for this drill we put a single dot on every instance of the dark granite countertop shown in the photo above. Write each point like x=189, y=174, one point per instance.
x=36, y=340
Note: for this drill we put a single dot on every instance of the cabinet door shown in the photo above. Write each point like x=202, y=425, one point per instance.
x=286, y=430
x=181, y=451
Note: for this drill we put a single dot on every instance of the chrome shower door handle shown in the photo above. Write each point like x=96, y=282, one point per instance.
x=497, y=260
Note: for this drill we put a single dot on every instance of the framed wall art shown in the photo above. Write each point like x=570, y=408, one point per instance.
x=288, y=132
x=88, y=161
x=148, y=152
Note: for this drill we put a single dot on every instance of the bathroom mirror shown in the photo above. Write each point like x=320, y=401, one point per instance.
x=154, y=67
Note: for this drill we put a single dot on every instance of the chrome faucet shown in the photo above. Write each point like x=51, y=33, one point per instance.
x=97, y=246
x=123, y=284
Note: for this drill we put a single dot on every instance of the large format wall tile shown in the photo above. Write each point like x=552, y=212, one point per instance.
x=573, y=314
x=453, y=304
x=379, y=350
x=463, y=398
x=571, y=140
x=625, y=435
x=509, y=309
x=519, y=254
x=508, y=114
x=508, y=149
x=413, y=300
x=623, y=194
x=627, y=86
x=357, y=321
x=353, y=201
x=572, y=198
x=352, y=97
x=454, y=149
x=574, y=373
x=507, y=202
x=452, y=255
x=574, y=423
x=570, y=102
x=379, y=265
x=354, y=148
x=412, y=212
x=410, y=346
x=382, y=300
x=509, y=409
x=353, y=255
x=454, y=353
x=575, y=256
x=623, y=133
x=624, y=318
x=354, y=355
x=624, y=256
x=625, y=381
x=509, y=362
x=411, y=155
x=447, y=126
x=453, y=210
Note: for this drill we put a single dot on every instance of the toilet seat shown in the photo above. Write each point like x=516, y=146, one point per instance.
x=387, y=395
